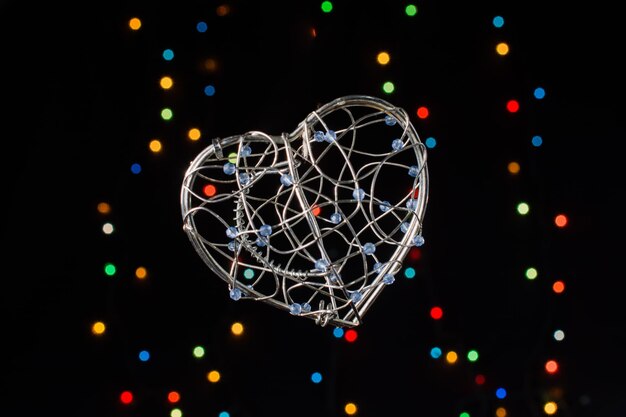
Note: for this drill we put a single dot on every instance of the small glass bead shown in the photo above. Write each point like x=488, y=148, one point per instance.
x=378, y=266
x=246, y=151
x=334, y=277
x=388, y=279
x=229, y=168
x=235, y=294
x=306, y=307
x=321, y=264
x=411, y=204
x=397, y=144
x=385, y=206
x=265, y=230
x=286, y=180
x=331, y=136
x=232, y=245
x=369, y=248
x=404, y=227
x=413, y=171
x=261, y=242
x=335, y=218
x=244, y=178
x=390, y=120
x=358, y=194
x=295, y=309
x=319, y=136
x=356, y=296
x=418, y=240
x=231, y=232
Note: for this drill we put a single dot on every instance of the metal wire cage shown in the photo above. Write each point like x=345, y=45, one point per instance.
x=316, y=222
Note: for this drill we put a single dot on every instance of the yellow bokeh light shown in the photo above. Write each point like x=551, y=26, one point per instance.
x=155, y=145
x=502, y=48
x=213, y=376
x=501, y=412
x=350, y=409
x=98, y=328
x=166, y=82
x=383, y=58
x=237, y=329
x=451, y=357
x=550, y=407
x=134, y=23
x=104, y=208
x=141, y=272
x=194, y=134
x=513, y=167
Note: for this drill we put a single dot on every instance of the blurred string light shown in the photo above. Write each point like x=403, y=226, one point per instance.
x=104, y=208
x=498, y=21
x=155, y=146
x=430, y=142
x=513, y=167
x=135, y=168
x=435, y=352
x=213, y=376
x=501, y=412
x=141, y=273
x=166, y=82
x=512, y=106
x=194, y=134
x=539, y=93
x=168, y=54
x=109, y=269
x=558, y=287
x=134, y=23
x=98, y=328
x=436, y=313
x=198, y=352
x=173, y=397
x=551, y=366
x=144, y=356
x=176, y=412
x=501, y=393
x=108, y=228
x=536, y=141
x=209, y=90
x=452, y=357
x=558, y=335
x=126, y=397
x=350, y=409
x=222, y=10
x=410, y=10
x=523, y=208
x=338, y=332
x=502, y=48
x=472, y=356
x=223, y=414
x=236, y=329
x=167, y=114
x=550, y=408
x=422, y=112
x=560, y=220
x=464, y=414
x=409, y=272
x=480, y=379
x=201, y=26
x=388, y=87
x=316, y=377
x=327, y=6
x=531, y=273
x=351, y=335
x=383, y=58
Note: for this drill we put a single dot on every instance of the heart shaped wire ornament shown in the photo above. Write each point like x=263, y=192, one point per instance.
x=316, y=222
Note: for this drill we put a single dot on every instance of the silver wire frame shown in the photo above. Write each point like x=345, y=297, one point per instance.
x=312, y=265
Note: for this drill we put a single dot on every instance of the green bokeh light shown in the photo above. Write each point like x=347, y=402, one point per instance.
x=410, y=10
x=327, y=6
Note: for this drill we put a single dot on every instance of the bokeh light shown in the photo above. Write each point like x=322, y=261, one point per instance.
x=513, y=167
x=126, y=397
x=104, y=208
x=480, y=379
x=410, y=10
x=452, y=357
x=351, y=335
x=560, y=220
x=550, y=408
x=110, y=269
x=155, y=146
x=167, y=114
x=209, y=190
x=144, y=356
x=501, y=393
x=512, y=106
x=209, y=90
x=168, y=54
x=134, y=23
x=531, y=273
x=135, y=168
x=409, y=272
x=141, y=272
x=536, y=141
x=166, y=82
x=502, y=48
x=501, y=412
x=436, y=313
x=498, y=21
x=327, y=6
x=523, y=208
x=558, y=287
x=236, y=329
x=388, y=87
x=198, y=352
x=350, y=409
x=422, y=112
x=472, y=355
x=383, y=58
x=202, y=26
x=98, y=328
x=430, y=142
x=316, y=377
x=213, y=376
x=108, y=228
x=435, y=353
x=194, y=134
x=539, y=93
x=173, y=397
x=559, y=335
x=552, y=366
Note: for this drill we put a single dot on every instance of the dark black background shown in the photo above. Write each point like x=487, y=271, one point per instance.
x=81, y=101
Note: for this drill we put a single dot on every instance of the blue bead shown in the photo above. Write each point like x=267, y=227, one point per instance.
x=231, y=232
x=397, y=144
x=306, y=307
x=335, y=218
x=229, y=168
x=334, y=277
x=232, y=246
x=358, y=194
x=286, y=180
x=411, y=204
x=390, y=120
x=418, y=240
x=295, y=309
x=356, y=296
x=378, y=266
x=369, y=248
x=413, y=171
x=321, y=264
x=235, y=294
x=244, y=178
x=331, y=136
x=385, y=206
x=265, y=230
x=261, y=241
x=246, y=151
x=388, y=279
x=404, y=227
x=319, y=136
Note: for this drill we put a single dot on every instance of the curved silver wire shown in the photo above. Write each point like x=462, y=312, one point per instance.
x=316, y=222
